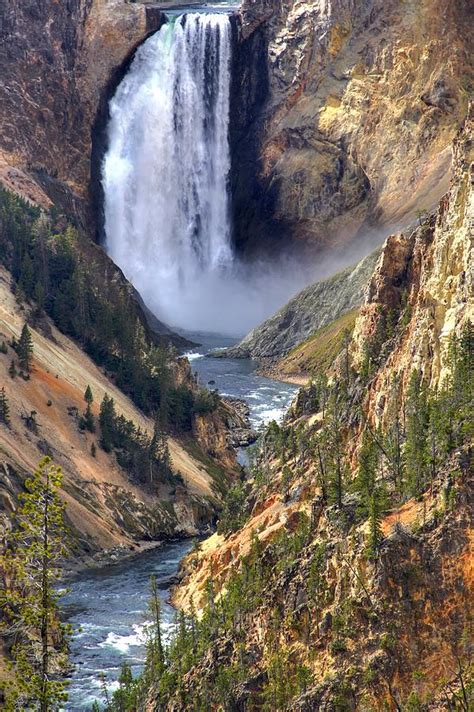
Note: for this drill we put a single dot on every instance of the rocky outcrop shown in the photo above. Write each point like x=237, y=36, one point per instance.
x=368, y=633
x=314, y=307
x=430, y=274
x=348, y=110
x=59, y=63
x=365, y=628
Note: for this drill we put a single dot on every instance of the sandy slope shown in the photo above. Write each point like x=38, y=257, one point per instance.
x=102, y=504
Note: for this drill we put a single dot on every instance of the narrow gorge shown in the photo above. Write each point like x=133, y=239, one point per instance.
x=236, y=355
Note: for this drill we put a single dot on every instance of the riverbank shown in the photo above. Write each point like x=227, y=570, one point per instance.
x=106, y=608
x=109, y=591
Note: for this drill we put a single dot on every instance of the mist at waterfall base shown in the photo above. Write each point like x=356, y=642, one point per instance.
x=166, y=198
x=165, y=179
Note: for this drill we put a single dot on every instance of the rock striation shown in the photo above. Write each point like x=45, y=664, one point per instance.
x=371, y=631
x=349, y=110
x=59, y=63
x=431, y=270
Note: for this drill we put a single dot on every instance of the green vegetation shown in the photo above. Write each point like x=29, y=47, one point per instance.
x=52, y=268
x=4, y=407
x=317, y=353
x=166, y=666
x=29, y=570
x=145, y=459
x=24, y=349
x=12, y=370
x=86, y=421
x=390, y=469
x=234, y=512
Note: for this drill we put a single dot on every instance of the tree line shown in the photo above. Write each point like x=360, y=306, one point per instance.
x=44, y=255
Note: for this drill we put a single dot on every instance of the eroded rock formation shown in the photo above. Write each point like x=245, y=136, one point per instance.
x=350, y=113
x=59, y=62
x=432, y=271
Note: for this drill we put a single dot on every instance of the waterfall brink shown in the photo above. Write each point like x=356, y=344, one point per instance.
x=166, y=170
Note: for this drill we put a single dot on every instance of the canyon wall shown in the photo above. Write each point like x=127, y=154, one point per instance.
x=307, y=597
x=431, y=270
x=59, y=62
x=349, y=111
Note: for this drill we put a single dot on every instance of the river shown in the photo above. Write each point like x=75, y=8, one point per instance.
x=108, y=604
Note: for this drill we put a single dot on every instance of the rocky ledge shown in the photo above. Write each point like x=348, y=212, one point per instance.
x=241, y=433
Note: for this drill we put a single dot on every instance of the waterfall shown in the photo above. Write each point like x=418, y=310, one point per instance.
x=166, y=170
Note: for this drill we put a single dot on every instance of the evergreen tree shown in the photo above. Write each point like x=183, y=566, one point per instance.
x=159, y=453
x=335, y=442
x=4, y=407
x=416, y=447
x=12, y=369
x=393, y=437
x=88, y=397
x=368, y=469
x=87, y=420
x=25, y=349
x=377, y=505
x=30, y=604
x=107, y=418
x=155, y=661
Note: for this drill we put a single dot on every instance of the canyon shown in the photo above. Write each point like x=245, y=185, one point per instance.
x=226, y=162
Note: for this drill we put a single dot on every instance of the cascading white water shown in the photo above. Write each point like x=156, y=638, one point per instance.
x=166, y=170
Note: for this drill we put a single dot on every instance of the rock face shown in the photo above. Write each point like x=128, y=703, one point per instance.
x=431, y=269
x=59, y=62
x=313, y=308
x=349, y=109
x=374, y=632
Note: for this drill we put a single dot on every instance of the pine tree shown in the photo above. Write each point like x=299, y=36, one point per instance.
x=416, y=446
x=368, y=468
x=31, y=603
x=159, y=451
x=12, y=369
x=88, y=397
x=87, y=421
x=376, y=510
x=334, y=442
x=155, y=662
x=4, y=407
x=393, y=436
x=25, y=349
x=107, y=422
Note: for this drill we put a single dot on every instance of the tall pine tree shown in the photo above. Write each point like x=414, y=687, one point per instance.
x=25, y=350
x=4, y=407
x=30, y=602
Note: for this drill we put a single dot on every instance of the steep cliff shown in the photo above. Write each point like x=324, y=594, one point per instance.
x=106, y=507
x=429, y=273
x=341, y=575
x=349, y=110
x=59, y=62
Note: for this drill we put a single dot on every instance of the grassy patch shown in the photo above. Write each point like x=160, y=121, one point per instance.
x=318, y=352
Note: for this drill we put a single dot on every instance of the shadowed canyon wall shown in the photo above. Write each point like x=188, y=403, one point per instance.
x=60, y=61
x=349, y=108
